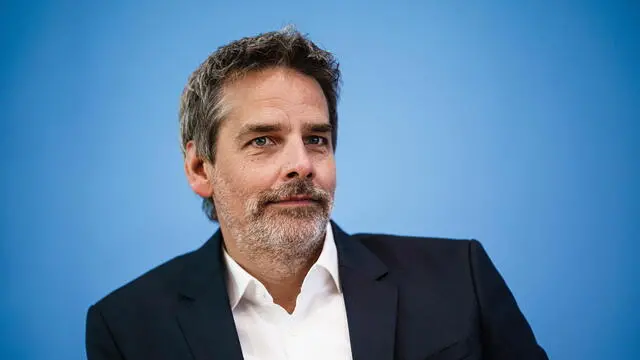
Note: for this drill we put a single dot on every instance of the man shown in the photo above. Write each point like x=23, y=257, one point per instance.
x=279, y=280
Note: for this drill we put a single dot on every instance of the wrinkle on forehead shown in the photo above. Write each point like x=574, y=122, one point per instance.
x=276, y=93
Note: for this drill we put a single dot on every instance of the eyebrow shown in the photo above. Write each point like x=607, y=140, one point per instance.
x=271, y=128
x=258, y=129
x=318, y=128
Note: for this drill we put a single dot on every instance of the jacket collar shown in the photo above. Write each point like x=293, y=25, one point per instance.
x=206, y=319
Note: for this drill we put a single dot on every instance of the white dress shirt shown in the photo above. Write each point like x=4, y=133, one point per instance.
x=317, y=328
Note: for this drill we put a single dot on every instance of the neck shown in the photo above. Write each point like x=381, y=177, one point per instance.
x=281, y=272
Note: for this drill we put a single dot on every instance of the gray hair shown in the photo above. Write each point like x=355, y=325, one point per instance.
x=201, y=111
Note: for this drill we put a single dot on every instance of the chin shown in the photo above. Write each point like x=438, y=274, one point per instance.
x=303, y=213
x=297, y=223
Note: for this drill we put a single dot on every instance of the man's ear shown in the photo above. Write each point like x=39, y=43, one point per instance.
x=197, y=171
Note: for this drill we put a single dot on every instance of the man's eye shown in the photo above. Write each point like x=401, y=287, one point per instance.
x=261, y=141
x=316, y=140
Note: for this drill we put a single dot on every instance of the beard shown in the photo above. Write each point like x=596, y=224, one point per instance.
x=287, y=235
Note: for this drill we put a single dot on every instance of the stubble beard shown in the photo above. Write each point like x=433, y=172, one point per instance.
x=282, y=238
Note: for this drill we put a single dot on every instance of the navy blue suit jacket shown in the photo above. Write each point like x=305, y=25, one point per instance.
x=406, y=298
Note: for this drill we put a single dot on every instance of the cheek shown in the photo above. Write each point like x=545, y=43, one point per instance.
x=246, y=179
x=326, y=175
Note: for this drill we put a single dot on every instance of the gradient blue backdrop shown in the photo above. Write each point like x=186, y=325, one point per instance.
x=514, y=122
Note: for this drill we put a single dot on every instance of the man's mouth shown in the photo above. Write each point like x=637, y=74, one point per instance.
x=296, y=200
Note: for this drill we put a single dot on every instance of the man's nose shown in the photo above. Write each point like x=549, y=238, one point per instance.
x=298, y=163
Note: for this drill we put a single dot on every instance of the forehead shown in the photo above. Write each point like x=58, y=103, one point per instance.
x=275, y=95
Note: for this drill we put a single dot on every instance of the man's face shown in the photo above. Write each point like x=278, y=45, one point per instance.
x=274, y=174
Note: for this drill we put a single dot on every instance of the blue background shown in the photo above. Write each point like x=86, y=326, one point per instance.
x=514, y=122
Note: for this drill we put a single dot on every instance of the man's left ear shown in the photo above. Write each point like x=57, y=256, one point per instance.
x=196, y=170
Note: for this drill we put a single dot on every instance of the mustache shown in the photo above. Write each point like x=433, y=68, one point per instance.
x=298, y=187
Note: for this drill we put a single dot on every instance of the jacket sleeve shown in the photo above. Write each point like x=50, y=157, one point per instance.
x=99, y=341
x=506, y=334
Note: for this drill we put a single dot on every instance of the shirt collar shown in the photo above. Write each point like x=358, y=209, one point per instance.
x=238, y=279
x=328, y=258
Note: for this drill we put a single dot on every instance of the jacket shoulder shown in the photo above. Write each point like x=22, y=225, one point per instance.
x=406, y=251
x=163, y=279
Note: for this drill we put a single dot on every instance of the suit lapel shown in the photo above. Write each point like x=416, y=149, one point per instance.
x=204, y=313
x=206, y=320
x=370, y=299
